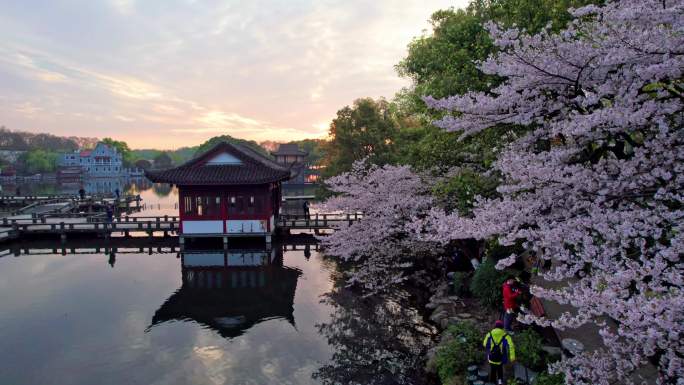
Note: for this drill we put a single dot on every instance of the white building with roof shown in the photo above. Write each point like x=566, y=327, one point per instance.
x=102, y=161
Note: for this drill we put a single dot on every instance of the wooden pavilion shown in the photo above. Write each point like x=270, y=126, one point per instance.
x=231, y=190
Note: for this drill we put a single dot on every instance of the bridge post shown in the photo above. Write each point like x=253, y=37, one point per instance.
x=225, y=243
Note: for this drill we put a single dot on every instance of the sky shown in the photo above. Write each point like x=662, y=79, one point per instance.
x=172, y=73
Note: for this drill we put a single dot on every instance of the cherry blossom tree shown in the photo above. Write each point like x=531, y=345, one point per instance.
x=380, y=247
x=594, y=185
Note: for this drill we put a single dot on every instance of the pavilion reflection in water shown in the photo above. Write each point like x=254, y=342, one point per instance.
x=231, y=291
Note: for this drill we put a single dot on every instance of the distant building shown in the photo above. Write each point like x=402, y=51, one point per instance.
x=291, y=156
x=10, y=156
x=102, y=161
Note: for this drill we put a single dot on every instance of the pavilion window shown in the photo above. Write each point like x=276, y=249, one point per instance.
x=206, y=206
x=251, y=204
x=241, y=204
x=199, y=206
x=187, y=205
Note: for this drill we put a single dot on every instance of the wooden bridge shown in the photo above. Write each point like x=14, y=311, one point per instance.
x=48, y=204
x=65, y=224
x=134, y=245
x=316, y=221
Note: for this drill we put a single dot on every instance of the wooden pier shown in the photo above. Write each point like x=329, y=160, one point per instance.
x=64, y=225
x=49, y=204
x=316, y=221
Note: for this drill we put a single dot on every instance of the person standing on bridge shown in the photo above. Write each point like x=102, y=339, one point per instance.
x=118, y=193
x=81, y=192
x=110, y=213
x=306, y=208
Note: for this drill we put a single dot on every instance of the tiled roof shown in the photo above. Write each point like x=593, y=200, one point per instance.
x=289, y=149
x=254, y=169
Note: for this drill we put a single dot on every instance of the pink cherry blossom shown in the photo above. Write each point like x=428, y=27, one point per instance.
x=596, y=186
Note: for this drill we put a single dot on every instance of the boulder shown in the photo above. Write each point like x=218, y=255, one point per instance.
x=465, y=316
x=437, y=317
x=445, y=322
x=431, y=360
x=552, y=350
x=453, y=320
x=447, y=308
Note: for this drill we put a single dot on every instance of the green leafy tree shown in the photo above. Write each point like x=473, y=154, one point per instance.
x=209, y=144
x=143, y=164
x=444, y=63
x=37, y=161
x=128, y=157
x=163, y=160
x=364, y=130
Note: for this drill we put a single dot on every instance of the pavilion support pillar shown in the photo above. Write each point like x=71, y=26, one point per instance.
x=225, y=243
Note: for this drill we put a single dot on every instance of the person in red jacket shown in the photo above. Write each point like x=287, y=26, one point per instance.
x=510, y=302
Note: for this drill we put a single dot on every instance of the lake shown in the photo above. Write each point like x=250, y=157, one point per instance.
x=127, y=312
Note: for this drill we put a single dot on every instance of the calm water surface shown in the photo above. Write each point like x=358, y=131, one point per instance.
x=153, y=316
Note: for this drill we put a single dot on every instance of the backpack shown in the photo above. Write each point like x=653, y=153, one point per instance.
x=496, y=350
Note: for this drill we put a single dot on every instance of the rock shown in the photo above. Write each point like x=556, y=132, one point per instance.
x=451, y=274
x=465, y=316
x=447, y=308
x=453, y=320
x=444, y=323
x=431, y=305
x=437, y=317
x=552, y=350
x=431, y=361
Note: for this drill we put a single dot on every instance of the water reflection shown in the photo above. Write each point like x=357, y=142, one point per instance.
x=140, y=310
x=231, y=291
x=90, y=185
x=375, y=341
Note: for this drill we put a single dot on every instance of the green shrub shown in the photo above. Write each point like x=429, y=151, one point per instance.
x=550, y=379
x=528, y=348
x=453, y=358
x=486, y=284
x=459, y=282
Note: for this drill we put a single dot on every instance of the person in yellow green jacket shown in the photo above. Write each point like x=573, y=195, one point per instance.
x=500, y=351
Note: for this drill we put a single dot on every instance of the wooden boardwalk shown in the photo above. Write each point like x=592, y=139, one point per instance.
x=48, y=204
x=316, y=221
x=63, y=225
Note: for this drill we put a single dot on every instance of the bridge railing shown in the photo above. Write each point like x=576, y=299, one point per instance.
x=317, y=220
x=103, y=226
x=86, y=220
